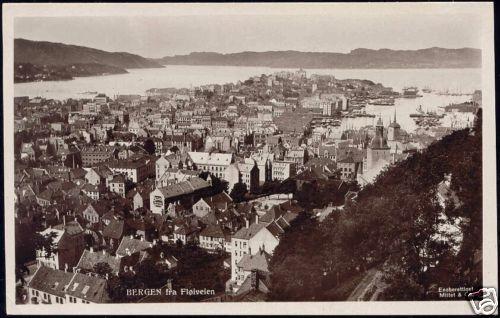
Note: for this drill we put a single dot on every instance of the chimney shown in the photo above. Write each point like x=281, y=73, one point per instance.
x=246, y=223
x=142, y=238
x=107, y=276
x=103, y=252
x=128, y=252
x=91, y=249
x=65, y=267
x=64, y=220
x=256, y=219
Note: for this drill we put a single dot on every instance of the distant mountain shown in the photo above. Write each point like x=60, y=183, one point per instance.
x=359, y=58
x=58, y=54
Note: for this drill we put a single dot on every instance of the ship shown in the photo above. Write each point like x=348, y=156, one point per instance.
x=426, y=90
x=382, y=102
x=427, y=122
x=428, y=114
x=410, y=92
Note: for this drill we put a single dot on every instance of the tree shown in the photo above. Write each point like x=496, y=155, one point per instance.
x=392, y=225
x=149, y=146
x=103, y=269
x=51, y=150
x=238, y=192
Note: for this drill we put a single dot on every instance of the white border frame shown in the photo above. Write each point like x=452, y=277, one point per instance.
x=490, y=265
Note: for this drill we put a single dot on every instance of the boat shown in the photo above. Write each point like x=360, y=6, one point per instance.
x=427, y=122
x=426, y=90
x=382, y=102
x=428, y=114
x=410, y=92
x=364, y=114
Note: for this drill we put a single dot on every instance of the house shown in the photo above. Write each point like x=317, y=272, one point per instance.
x=95, y=155
x=130, y=245
x=94, y=211
x=206, y=205
x=299, y=156
x=113, y=233
x=140, y=198
x=118, y=185
x=249, y=239
x=87, y=289
x=90, y=258
x=27, y=151
x=141, y=226
x=282, y=170
x=214, y=237
x=250, y=175
x=171, y=261
x=67, y=245
x=46, y=198
x=98, y=175
x=174, y=175
x=191, y=189
x=215, y=163
x=135, y=169
x=92, y=191
x=250, y=263
x=48, y=285
x=232, y=175
x=349, y=168
x=186, y=232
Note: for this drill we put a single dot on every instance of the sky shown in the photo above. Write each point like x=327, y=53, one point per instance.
x=343, y=30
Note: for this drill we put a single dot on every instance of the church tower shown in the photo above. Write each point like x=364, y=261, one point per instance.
x=378, y=148
x=393, y=132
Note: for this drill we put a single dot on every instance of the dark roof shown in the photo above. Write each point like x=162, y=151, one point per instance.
x=115, y=229
x=213, y=231
x=52, y=281
x=259, y=261
x=133, y=245
x=90, y=288
x=275, y=229
x=219, y=201
x=71, y=228
x=89, y=259
x=249, y=232
x=118, y=179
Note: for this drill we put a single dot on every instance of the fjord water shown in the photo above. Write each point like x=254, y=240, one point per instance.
x=137, y=81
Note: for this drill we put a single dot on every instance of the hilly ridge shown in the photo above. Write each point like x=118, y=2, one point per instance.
x=359, y=58
x=58, y=54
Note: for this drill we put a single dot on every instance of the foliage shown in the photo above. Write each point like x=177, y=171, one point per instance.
x=102, y=269
x=391, y=226
x=149, y=146
x=28, y=241
x=238, y=192
x=196, y=269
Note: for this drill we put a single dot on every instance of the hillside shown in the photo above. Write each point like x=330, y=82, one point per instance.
x=58, y=54
x=27, y=72
x=358, y=58
x=396, y=231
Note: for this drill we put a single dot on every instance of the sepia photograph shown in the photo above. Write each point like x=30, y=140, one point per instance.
x=321, y=158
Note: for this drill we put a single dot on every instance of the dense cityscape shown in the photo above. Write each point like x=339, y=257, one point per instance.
x=185, y=194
